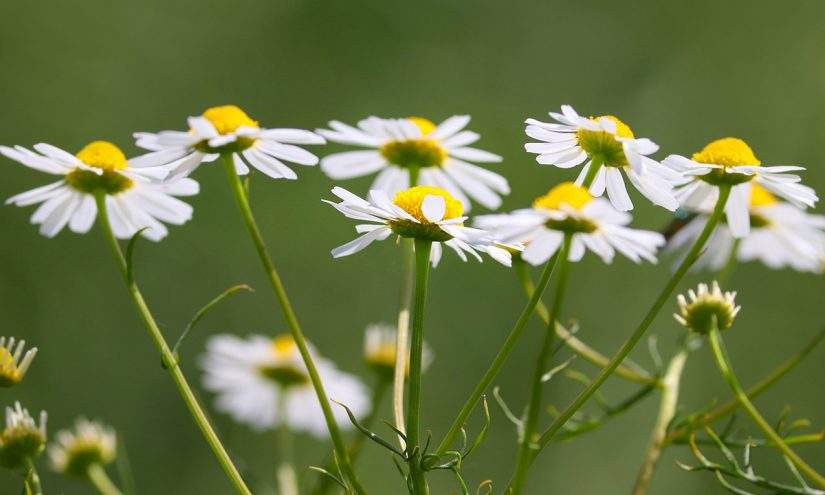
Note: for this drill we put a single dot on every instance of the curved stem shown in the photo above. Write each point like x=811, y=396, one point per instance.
x=500, y=358
x=101, y=481
x=542, y=362
x=667, y=409
x=33, y=479
x=596, y=162
x=292, y=321
x=725, y=367
x=167, y=356
x=570, y=340
x=402, y=337
x=422, y=269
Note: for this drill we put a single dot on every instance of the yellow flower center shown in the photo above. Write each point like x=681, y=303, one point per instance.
x=382, y=356
x=604, y=144
x=425, y=125
x=729, y=152
x=565, y=193
x=411, y=201
x=9, y=374
x=228, y=118
x=284, y=374
x=284, y=345
x=761, y=197
x=415, y=153
x=104, y=156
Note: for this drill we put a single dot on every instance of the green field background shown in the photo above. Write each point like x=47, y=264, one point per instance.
x=681, y=73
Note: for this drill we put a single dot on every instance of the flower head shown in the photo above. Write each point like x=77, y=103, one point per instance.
x=22, y=439
x=227, y=130
x=573, y=140
x=421, y=212
x=263, y=382
x=135, y=198
x=732, y=163
x=380, y=347
x=570, y=209
x=437, y=154
x=77, y=450
x=707, y=309
x=13, y=362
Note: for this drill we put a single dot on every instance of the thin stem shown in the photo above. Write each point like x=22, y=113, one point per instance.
x=33, y=479
x=167, y=357
x=682, y=433
x=664, y=297
x=101, y=481
x=726, y=368
x=287, y=480
x=596, y=162
x=422, y=270
x=727, y=270
x=292, y=321
x=570, y=340
x=667, y=409
x=402, y=337
x=543, y=361
x=500, y=358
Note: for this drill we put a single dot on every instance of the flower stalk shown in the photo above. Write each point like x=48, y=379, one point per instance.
x=33, y=479
x=101, y=481
x=402, y=336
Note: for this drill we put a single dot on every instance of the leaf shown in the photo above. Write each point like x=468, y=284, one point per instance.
x=371, y=435
x=329, y=475
x=130, y=247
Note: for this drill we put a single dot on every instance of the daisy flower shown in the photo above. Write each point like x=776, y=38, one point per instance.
x=77, y=450
x=707, y=308
x=571, y=209
x=134, y=197
x=781, y=235
x=419, y=212
x=437, y=155
x=606, y=143
x=23, y=439
x=13, y=362
x=264, y=383
x=732, y=162
x=379, y=350
x=227, y=130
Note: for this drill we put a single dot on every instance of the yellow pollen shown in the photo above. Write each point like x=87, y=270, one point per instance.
x=103, y=155
x=412, y=199
x=565, y=193
x=228, y=118
x=283, y=345
x=622, y=129
x=729, y=152
x=8, y=371
x=425, y=125
x=761, y=197
x=383, y=355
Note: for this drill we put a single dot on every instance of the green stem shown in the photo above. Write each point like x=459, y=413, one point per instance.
x=725, y=273
x=33, y=479
x=101, y=481
x=287, y=480
x=570, y=340
x=723, y=361
x=667, y=409
x=680, y=434
x=534, y=403
x=500, y=358
x=422, y=270
x=596, y=162
x=664, y=297
x=402, y=336
x=167, y=356
x=292, y=321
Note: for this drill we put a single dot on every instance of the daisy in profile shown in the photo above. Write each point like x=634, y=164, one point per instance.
x=89, y=444
x=23, y=439
x=438, y=155
x=14, y=363
x=571, y=209
x=781, y=235
x=228, y=130
x=608, y=148
x=380, y=346
x=135, y=198
x=262, y=382
x=731, y=161
x=419, y=212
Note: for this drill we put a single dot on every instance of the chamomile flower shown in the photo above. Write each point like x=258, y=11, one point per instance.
x=608, y=143
x=135, y=198
x=438, y=153
x=419, y=212
x=23, y=439
x=227, y=130
x=263, y=382
x=13, y=362
x=571, y=209
x=707, y=308
x=380, y=347
x=781, y=235
x=732, y=162
x=77, y=450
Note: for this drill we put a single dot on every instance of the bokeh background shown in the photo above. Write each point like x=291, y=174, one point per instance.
x=679, y=73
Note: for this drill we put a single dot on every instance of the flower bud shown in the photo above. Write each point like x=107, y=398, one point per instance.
x=707, y=309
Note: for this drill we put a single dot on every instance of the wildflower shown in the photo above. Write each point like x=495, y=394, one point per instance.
x=227, y=130
x=610, y=144
x=380, y=347
x=419, y=212
x=707, y=309
x=90, y=443
x=730, y=161
x=571, y=209
x=134, y=197
x=263, y=382
x=13, y=362
x=438, y=154
x=23, y=439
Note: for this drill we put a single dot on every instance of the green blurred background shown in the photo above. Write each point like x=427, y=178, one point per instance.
x=681, y=73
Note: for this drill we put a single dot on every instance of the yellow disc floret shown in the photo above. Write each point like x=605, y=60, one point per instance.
x=761, y=197
x=728, y=152
x=284, y=370
x=411, y=201
x=284, y=345
x=103, y=155
x=603, y=144
x=565, y=193
x=228, y=118
x=425, y=125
